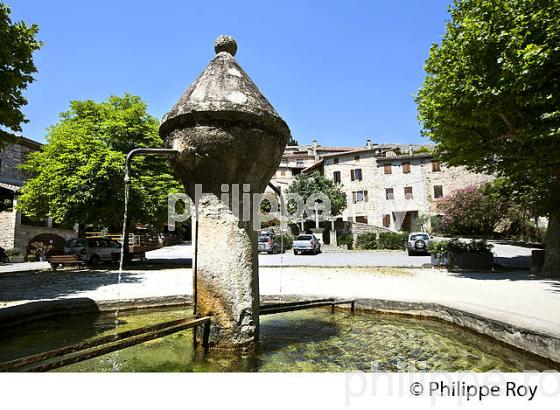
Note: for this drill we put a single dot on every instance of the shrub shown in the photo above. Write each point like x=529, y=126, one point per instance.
x=367, y=241
x=32, y=257
x=457, y=246
x=436, y=223
x=287, y=240
x=40, y=248
x=13, y=252
x=345, y=239
x=438, y=247
x=392, y=240
x=470, y=211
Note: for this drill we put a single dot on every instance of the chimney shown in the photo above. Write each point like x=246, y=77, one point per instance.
x=314, y=150
x=368, y=144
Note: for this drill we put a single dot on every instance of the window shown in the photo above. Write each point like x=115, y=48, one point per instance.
x=359, y=196
x=357, y=158
x=336, y=177
x=408, y=192
x=387, y=169
x=387, y=220
x=389, y=194
x=438, y=191
x=335, y=161
x=282, y=172
x=406, y=167
x=361, y=219
x=356, y=174
x=436, y=167
x=299, y=163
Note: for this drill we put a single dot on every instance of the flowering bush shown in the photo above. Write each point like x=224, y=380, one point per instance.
x=470, y=211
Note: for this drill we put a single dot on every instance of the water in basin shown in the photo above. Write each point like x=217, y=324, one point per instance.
x=303, y=341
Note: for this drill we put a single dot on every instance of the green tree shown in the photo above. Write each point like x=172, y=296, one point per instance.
x=78, y=176
x=305, y=185
x=17, y=44
x=491, y=99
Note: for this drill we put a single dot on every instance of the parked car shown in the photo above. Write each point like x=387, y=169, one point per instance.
x=94, y=250
x=268, y=243
x=306, y=243
x=418, y=243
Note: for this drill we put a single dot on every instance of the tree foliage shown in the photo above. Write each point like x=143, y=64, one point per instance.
x=17, y=44
x=78, y=177
x=306, y=185
x=491, y=99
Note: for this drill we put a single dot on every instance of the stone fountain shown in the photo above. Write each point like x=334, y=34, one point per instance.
x=230, y=141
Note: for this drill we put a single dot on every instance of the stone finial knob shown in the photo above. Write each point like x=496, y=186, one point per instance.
x=225, y=43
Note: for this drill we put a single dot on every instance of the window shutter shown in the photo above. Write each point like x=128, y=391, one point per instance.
x=352, y=175
x=365, y=196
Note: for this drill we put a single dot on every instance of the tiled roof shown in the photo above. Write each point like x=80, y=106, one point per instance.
x=9, y=187
x=405, y=156
x=313, y=167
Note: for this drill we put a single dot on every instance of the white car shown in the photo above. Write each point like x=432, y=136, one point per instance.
x=418, y=243
x=306, y=243
x=94, y=250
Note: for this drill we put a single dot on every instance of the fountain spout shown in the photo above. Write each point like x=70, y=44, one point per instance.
x=230, y=142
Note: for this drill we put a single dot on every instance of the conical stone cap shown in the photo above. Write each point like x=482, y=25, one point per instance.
x=223, y=92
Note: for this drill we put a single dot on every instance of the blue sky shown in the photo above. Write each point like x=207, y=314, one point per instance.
x=337, y=71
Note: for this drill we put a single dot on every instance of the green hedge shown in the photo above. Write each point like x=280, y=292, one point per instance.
x=387, y=240
x=288, y=240
x=392, y=240
x=457, y=246
x=367, y=241
x=345, y=239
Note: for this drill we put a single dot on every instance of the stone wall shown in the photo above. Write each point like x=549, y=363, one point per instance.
x=421, y=178
x=11, y=157
x=346, y=164
x=15, y=235
x=24, y=234
x=7, y=229
x=358, y=229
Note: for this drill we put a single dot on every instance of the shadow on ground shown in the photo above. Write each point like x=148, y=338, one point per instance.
x=49, y=285
x=156, y=264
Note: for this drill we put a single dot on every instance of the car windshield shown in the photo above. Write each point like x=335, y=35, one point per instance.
x=419, y=236
x=74, y=243
x=264, y=238
x=304, y=238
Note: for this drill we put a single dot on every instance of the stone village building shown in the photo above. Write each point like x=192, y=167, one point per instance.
x=384, y=187
x=17, y=231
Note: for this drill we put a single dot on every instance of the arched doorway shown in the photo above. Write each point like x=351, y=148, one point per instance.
x=55, y=242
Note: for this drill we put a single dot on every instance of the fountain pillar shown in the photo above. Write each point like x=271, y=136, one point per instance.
x=230, y=141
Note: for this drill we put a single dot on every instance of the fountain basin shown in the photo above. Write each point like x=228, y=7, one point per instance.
x=311, y=340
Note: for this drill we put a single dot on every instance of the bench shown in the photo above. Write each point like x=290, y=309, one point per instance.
x=57, y=260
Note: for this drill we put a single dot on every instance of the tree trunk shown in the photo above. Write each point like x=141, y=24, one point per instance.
x=551, y=265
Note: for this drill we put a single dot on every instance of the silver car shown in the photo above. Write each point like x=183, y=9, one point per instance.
x=306, y=243
x=93, y=250
x=269, y=244
x=418, y=243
